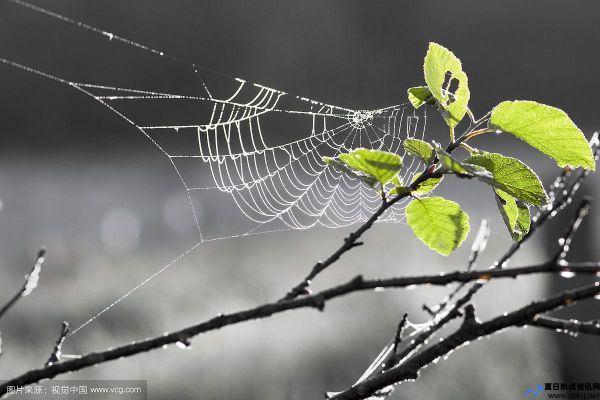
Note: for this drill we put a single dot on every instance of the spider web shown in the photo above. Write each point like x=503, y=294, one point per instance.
x=250, y=157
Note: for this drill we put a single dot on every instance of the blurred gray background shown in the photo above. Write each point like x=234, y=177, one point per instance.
x=111, y=211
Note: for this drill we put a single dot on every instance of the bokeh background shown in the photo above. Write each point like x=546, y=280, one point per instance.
x=110, y=209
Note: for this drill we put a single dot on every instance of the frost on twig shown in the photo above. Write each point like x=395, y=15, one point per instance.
x=31, y=281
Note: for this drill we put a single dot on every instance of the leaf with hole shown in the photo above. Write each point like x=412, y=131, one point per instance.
x=439, y=223
x=512, y=176
x=548, y=129
x=447, y=82
x=418, y=148
x=381, y=165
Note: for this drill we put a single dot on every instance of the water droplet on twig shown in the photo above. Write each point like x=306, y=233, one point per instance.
x=567, y=274
x=184, y=344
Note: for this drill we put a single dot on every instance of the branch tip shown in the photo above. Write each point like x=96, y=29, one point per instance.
x=56, y=352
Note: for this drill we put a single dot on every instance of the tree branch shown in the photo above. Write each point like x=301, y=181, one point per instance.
x=556, y=261
x=313, y=301
x=468, y=331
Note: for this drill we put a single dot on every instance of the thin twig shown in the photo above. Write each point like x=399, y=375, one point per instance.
x=564, y=242
x=567, y=325
x=399, y=330
x=391, y=360
x=438, y=324
x=56, y=352
x=30, y=283
x=478, y=246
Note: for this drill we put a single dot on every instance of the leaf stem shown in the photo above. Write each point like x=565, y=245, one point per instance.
x=477, y=132
x=471, y=116
x=470, y=149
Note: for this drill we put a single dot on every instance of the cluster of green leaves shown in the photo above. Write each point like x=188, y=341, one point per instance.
x=440, y=223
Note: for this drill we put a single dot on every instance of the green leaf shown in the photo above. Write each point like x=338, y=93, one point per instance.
x=424, y=187
x=418, y=148
x=523, y=222
x=420, y=95
x=399, y=187
x=508, y=209
x=514, y=213
x=439, y=223
x=452, y=164
x=381, y=165
x=340, y=166
x=427, y=185
x=546, y=128
x=443, y=70
x=512, y=176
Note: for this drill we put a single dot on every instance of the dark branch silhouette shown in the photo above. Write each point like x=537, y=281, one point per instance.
x=469, y=330
x=315, y=301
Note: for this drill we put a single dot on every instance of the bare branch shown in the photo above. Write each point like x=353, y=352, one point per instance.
x=56, y=353
x=468, y=331
x=31, y=280
x=391, y=359
x=313, y=301
x=399, y=330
